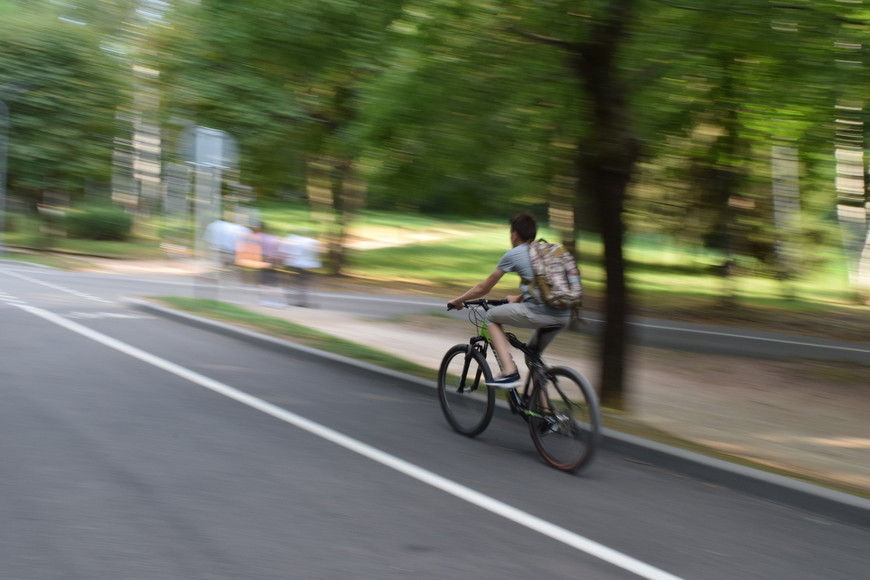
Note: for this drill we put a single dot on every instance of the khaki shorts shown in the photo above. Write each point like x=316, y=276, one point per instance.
x=521, y=315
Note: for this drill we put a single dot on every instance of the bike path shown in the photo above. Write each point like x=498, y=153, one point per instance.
x=798, y=443
x=427, y=347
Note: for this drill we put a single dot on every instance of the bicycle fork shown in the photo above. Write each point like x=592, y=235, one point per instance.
x=463, y=386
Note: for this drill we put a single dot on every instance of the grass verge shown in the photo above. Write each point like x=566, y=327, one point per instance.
x=60, y=261
x=293, y=332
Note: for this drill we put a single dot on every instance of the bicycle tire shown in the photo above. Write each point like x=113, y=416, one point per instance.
x=466, y=401
x=567, y=429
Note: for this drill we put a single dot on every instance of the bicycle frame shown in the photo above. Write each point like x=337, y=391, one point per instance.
x=518, y=402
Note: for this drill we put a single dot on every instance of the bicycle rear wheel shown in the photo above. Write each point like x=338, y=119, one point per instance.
x=565, y=423
x=466, y=401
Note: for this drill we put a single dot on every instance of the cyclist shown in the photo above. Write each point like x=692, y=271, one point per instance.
x=524, y=310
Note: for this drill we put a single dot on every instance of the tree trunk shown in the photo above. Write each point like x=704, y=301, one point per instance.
x=606, y=166
x=349, y=202
x=608, y=183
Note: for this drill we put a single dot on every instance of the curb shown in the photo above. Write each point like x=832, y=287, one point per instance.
x=835, y=505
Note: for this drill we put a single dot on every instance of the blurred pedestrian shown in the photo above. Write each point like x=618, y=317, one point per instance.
x=249, y=256
x=222, y=237
x=270, y=290
x=301, y=254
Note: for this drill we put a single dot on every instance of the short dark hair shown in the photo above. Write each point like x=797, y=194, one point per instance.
x=525, y=226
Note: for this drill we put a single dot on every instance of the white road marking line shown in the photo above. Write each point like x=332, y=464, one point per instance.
x=467, y=494
x=10, y=299
x=115, y=277
x=730, y=335
x=103, y=315
x=58, y=287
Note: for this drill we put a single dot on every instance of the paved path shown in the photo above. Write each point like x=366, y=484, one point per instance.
x=806, y=417
x=748, y=408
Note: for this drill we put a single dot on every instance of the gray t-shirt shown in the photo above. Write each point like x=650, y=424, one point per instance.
x=517, y=260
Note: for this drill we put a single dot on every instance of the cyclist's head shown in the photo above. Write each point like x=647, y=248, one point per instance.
x=525, y=227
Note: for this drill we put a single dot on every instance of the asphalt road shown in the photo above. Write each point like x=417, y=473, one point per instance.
x=137, y=447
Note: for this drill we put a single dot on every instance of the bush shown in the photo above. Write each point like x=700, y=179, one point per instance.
x=16, y=223
x=103, y=222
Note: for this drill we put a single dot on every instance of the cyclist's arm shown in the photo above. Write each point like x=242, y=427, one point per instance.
x=478, y=290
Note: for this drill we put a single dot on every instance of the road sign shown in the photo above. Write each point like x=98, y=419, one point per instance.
x=205, y=147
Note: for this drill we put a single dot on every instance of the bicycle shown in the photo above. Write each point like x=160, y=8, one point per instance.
x=558, y=403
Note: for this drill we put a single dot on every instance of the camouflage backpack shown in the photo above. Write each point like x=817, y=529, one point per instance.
x=557, y=279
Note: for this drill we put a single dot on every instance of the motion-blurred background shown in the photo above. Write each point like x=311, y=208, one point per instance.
x=704, y=160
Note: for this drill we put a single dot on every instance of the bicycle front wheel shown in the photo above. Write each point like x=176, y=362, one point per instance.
x=466, y=401
x=565, y=423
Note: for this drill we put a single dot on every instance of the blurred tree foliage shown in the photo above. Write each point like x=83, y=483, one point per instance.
x=62, y=89
x=282, y=78
x=662, y=113
x=98, y=222
x=709, y=164
x=648, y=116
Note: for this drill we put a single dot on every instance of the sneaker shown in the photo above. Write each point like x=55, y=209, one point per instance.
x=510, y=381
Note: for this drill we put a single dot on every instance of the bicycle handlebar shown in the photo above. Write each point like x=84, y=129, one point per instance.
x=485, y=302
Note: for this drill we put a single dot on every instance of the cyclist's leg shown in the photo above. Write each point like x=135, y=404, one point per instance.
x=514, y=314
x=523, y=315
x=501, y=348
x=541, y=340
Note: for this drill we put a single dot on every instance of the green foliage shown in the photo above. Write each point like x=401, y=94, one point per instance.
x=711, y=101
x=15, y=223
x=285, y=84
x=462, y=116
x=63, y=91
x=98, y=223
x=453, y=108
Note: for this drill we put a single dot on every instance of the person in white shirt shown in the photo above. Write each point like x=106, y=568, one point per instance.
x=301, y=254
x=222, y=237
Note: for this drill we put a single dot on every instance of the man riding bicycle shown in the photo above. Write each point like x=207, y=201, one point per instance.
x=524, y=310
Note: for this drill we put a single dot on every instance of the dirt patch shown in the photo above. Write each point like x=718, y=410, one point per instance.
x=374, y=237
